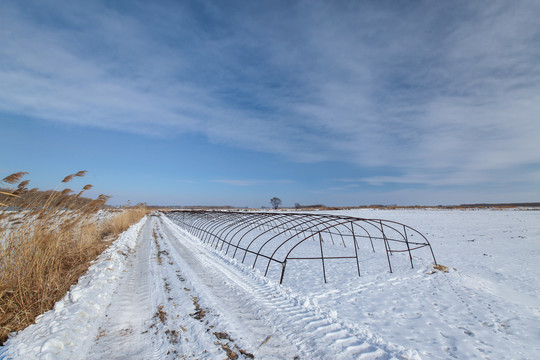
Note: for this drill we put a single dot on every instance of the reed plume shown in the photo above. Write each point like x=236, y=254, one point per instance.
x=68, y=178
x=15, y=177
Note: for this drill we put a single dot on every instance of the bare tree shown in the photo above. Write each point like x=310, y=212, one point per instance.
x=275, y=201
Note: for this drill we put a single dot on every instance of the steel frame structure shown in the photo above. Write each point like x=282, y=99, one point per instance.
x=274, y=236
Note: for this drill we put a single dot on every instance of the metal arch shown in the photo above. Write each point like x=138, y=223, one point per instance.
x=387, y=224
x=321, y=221
x=216, y=223
x=251, y=242
x=270, y=230
x=226, y=225
x=246, y=226
x=284, y=231
x=308, y=237
x=367, y=232
x=208, y=219
x=342, y=221
x=261, y=224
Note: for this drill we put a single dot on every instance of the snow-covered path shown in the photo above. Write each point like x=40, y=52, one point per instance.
x=162, y=295
x=121, y=334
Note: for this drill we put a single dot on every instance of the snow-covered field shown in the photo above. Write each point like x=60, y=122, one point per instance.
x=159, y=293
x=486, y=306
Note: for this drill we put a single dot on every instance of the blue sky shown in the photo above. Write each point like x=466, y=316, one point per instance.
x=234, y=102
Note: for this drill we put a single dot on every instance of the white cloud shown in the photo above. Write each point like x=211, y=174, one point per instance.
x=441, y=93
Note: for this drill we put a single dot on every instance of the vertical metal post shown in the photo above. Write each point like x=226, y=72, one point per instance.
x=408, y=247
x=331, y=237
x=355, y=249
x=386, y=246
x=322, y=258
x=282, y=271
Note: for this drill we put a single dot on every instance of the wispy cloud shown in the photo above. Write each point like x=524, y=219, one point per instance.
x=251, y=182
x=442, y=93
x=445, y=177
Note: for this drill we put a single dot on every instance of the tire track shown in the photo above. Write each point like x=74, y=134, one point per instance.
x=122, y=334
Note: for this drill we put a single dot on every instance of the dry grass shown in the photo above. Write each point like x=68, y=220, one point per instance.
x=441, y=268
x=46, y=244
x=438, y=267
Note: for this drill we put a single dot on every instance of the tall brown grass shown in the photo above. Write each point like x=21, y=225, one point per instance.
x=47, y=241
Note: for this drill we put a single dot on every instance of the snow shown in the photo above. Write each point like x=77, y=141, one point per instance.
x=158, y=292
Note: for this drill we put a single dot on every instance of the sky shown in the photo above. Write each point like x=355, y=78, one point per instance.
x=342, y=103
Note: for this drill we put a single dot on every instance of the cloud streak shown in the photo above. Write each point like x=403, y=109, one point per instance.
x=251, y=182
x=443, y=94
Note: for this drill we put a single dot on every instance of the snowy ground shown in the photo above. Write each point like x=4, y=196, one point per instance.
x=159, y=293
x=486, y=306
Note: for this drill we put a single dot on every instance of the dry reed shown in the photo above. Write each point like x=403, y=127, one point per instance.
x=48, y=239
